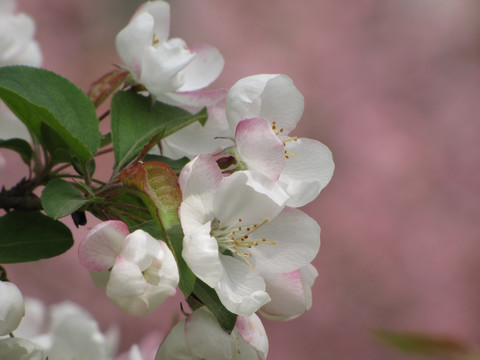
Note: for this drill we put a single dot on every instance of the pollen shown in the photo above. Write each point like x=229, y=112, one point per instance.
x=239, y=240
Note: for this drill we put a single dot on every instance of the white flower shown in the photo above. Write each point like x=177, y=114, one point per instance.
x=12, y=307
x=71, y=333
x=201, y=337
x=161, y=64
x=291, y=293
x=17, y=45
x=234, y=234
x=263, y=110
x=137, y=271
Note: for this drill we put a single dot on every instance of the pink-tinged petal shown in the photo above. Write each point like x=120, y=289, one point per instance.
x=273, y=97
x=160, y=11
x=200, y=176
x=252, y=331
x=241, y=289
x=297, y=241
x=200, y=252
x=103, y=243
x=290, y=292
x=163, y=65
x=204, y=69
x=259, y=147
x=133, y=39
x=307, y=171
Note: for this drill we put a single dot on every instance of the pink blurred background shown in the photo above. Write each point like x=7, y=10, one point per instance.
x=392, y=88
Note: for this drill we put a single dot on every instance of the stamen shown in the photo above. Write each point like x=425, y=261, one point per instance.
x=155, y=41
x=233, y=240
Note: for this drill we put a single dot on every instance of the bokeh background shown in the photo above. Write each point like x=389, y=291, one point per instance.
x=392, y=87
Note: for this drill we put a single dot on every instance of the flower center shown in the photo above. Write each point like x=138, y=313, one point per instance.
x=239, y=239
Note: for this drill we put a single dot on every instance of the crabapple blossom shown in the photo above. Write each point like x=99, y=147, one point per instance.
x=137, y=271
x=291, y=293
x=235, y=235
x=199, y=336
x=12, y=307
x=165, y=66
x=72, y=334
x=263, y=110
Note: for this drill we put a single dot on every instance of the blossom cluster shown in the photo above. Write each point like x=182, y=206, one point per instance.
x=243, y=235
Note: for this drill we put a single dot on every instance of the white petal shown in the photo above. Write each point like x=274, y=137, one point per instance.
x=160, y=11
x=241, y=289
x=103, y=243
x=204, y=69
x=12, y=307
x=259, y=147
x=200, y=252
x=126, y=288
x=264, y=185
x=307, y=172
x=206, y=338
x=32, y=323
x=273, y=97
x=174, y=347
x=237, y=204
x=75, y=334
x=297, y=238
x=132, y=41
x=162, y=67
x=290, y=292
x=141, y=248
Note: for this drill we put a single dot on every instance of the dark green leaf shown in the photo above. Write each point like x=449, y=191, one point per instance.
x=20, y=146
x=135, y=120
x=209, y=297
x=31, y=236
x=39, y=96
x=424, y=344
x=60, y=198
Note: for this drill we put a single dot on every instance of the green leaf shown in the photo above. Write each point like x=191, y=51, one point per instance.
x=39, y=96
x=424, y=344
x=175, y=237
x=209, y=297
x=20, y=146
x=135, y=120
x=159, y=188
x=60, y=198
x=31, y=236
